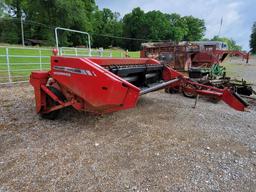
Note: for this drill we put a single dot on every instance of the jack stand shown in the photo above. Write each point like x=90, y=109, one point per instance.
x=196, y=100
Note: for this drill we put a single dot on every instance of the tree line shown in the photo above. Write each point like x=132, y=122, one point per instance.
x=253, y=39
x=107, y=28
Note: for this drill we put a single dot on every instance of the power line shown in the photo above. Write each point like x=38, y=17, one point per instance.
x=28, y=21
x=34, y=22
x=93, y=34
x=126, y=38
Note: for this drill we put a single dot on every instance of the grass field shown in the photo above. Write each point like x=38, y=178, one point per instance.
x=239, y=69
x=23, y=61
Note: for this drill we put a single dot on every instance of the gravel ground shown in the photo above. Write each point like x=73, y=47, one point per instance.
x=162, y=145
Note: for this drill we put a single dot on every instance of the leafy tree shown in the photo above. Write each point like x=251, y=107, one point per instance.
x=8, y=36
x=206, y=39
x=107, y=23
x=230, y=42
x=1, y=9
x=253, y=39
x=14, y=9
x=156, y=25
x=42, y=16
x=196, y=28
x=76, y=14
x=134, y=26
x=178, y=27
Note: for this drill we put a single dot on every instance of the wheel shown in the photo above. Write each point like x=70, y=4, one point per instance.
x=172, y=90
x=214, y=100
x=188, y=91
x=50, y=102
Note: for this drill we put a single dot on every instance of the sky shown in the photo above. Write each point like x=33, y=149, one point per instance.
x=238, y=15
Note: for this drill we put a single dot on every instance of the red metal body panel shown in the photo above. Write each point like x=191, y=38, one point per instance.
x=101, y=90
x=205, y=59
x=37, y=79
x=209, y=57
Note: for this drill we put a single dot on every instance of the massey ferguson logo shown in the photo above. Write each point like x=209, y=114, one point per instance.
x=74, y=70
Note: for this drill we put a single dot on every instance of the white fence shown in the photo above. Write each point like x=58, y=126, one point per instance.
x=73, y=51
x=16, y=63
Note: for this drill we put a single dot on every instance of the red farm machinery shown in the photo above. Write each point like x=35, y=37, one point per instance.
x=188, y=55
x=200, y=61
x=105, y=85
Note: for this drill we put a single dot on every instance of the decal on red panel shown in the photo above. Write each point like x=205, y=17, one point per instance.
x=74, y=70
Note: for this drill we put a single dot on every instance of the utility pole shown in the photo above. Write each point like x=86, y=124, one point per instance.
x=22, y=31
x=221, y=23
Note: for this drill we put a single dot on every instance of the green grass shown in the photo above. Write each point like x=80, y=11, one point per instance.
x=238, y=69
x=21, y=67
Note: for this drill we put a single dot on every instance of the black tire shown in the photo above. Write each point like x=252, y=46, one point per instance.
x=172, y=90
x=50, y=102
x=214, y=100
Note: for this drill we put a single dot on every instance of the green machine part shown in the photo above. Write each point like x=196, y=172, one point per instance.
x=217, y=70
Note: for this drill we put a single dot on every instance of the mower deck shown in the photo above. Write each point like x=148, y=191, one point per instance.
x=104, y=85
